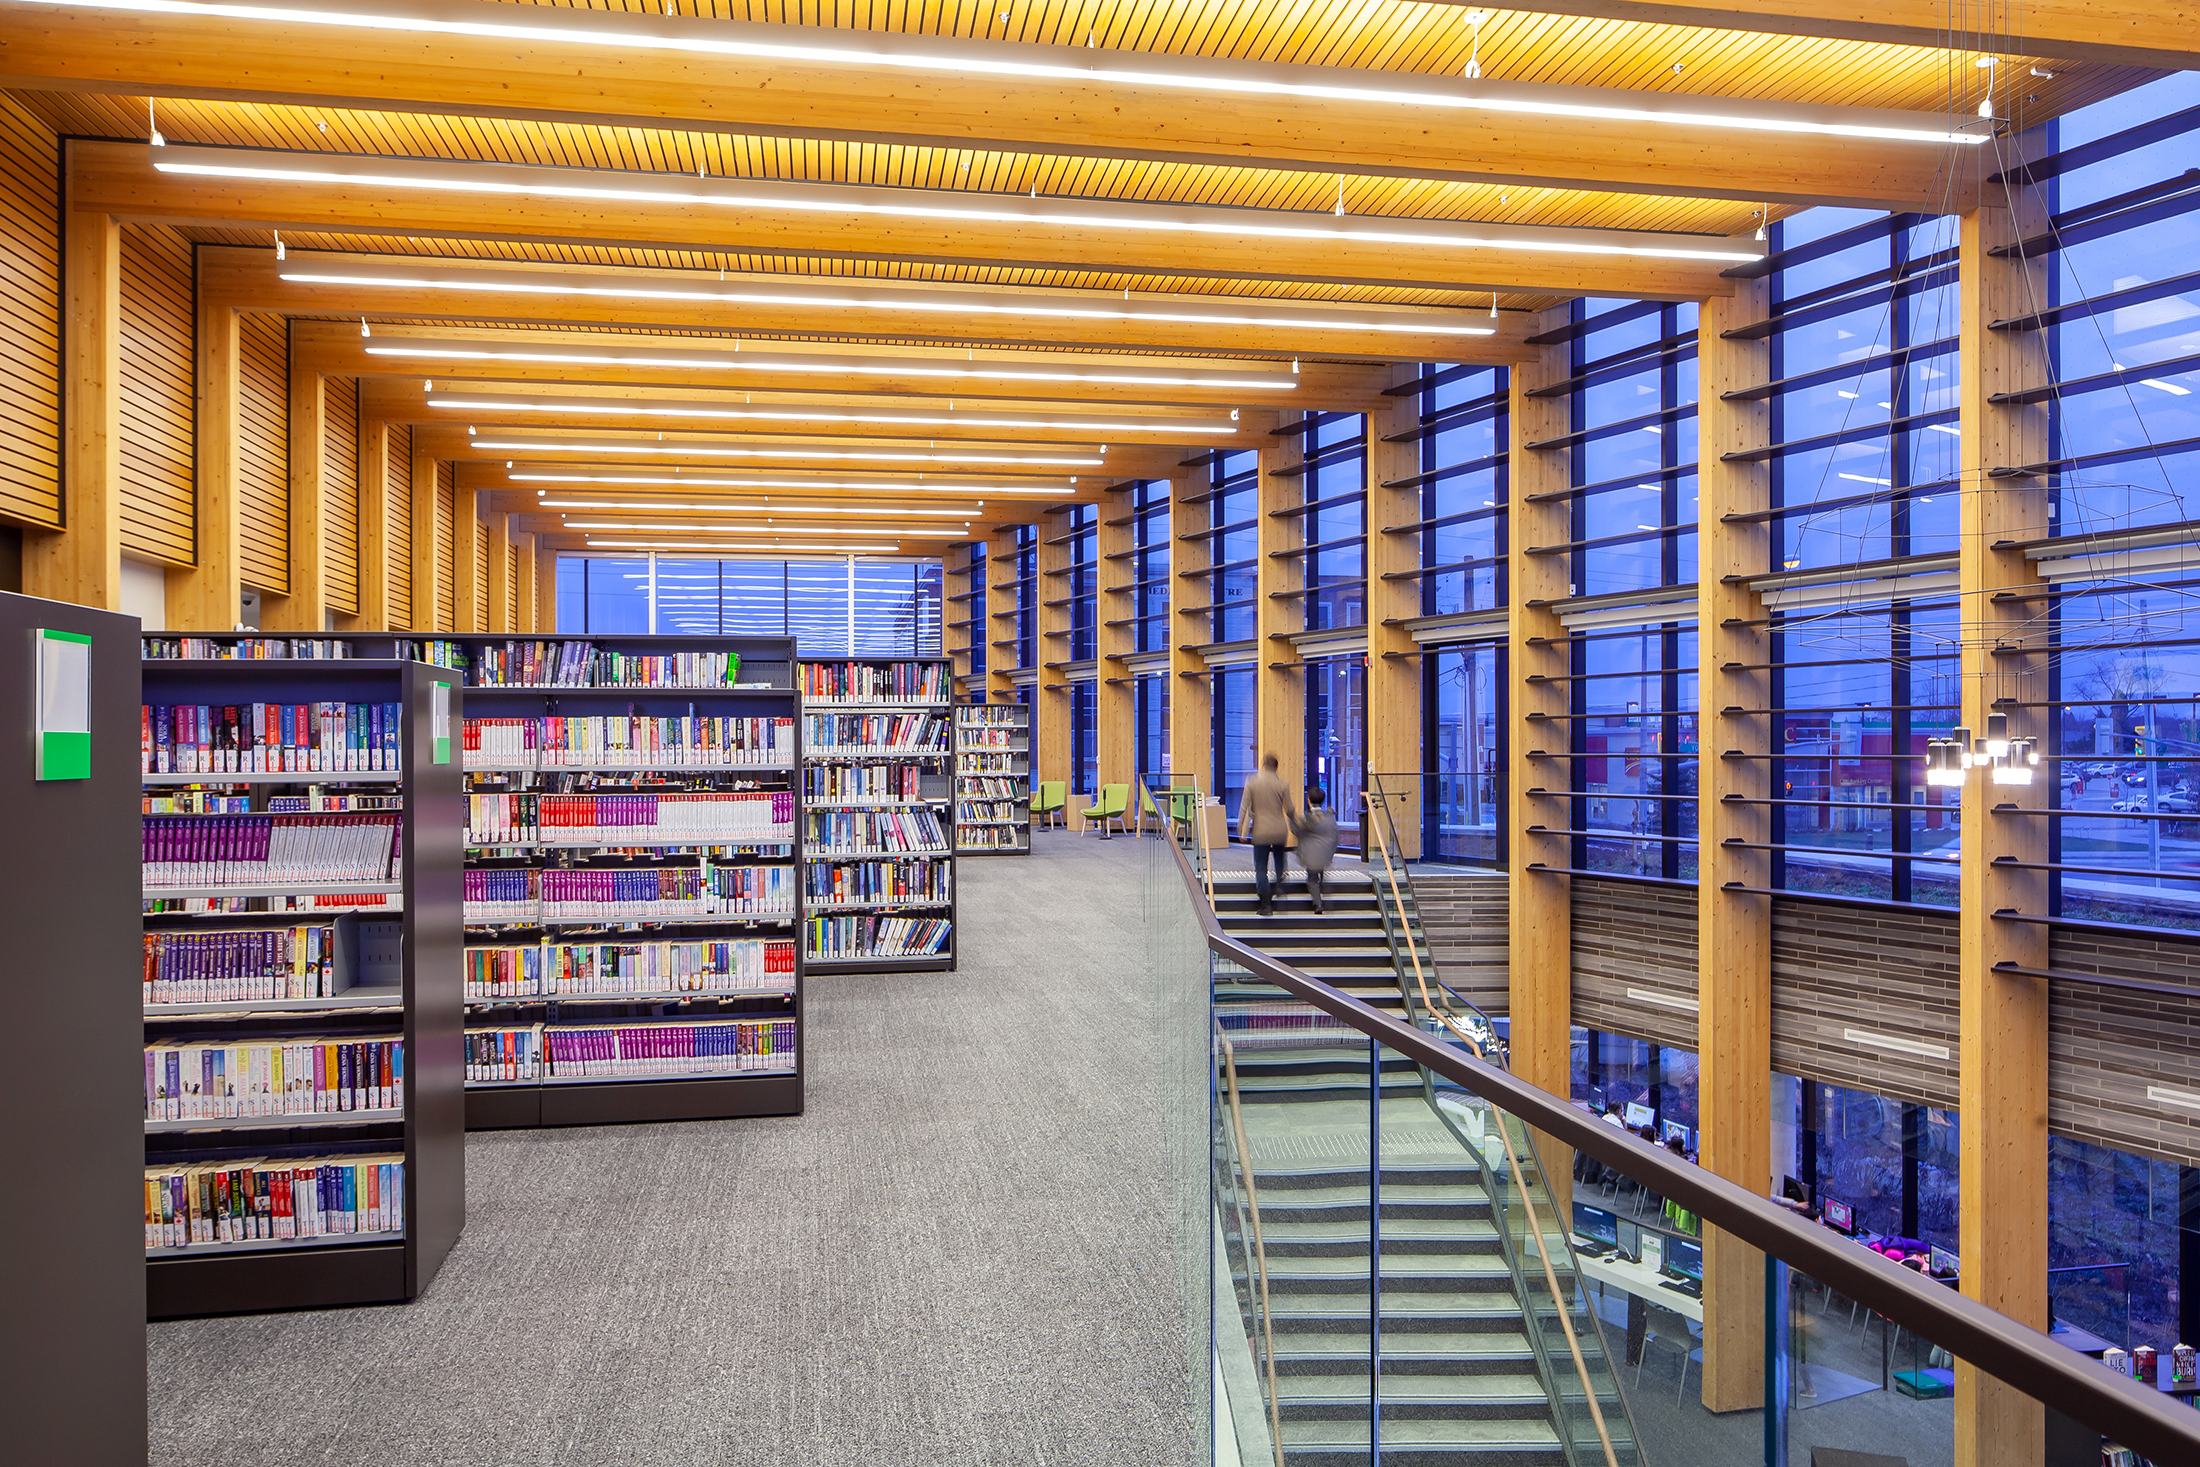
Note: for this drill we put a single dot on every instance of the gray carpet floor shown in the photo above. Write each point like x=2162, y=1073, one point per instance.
x=960, y=1254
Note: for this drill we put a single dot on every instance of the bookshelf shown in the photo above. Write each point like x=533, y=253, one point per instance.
x=633, y=881
x=72, y=1308
x=300, y=879
x=877, y=807
x=992, y=779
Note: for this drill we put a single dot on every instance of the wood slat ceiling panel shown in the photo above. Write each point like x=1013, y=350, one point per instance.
x=263, y=453
x=158, y=383
x=481, y=575
x=340, y=486
x=30, y=319
x=446, y=545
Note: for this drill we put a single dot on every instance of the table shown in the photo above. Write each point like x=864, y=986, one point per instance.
x=1642, y=1285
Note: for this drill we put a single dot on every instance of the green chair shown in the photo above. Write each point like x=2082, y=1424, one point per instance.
x=1183, y=806
x=1146, y=808
x=1114, y=804
x=1049, y=801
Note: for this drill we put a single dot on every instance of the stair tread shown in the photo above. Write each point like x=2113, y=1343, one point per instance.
x=1396, y=1230
x=1414, y=1388
x=1404, y=1345
x=1395, y=1265
x=1425, y=1435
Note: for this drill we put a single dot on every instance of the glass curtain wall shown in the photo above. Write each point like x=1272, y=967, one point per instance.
x=1633, y=462
x=1080, y=589
x=871, y=608
x=1333, y=520
x=1232, y=536
x=969, y=616
x=1150, y=603
x=1023, y=630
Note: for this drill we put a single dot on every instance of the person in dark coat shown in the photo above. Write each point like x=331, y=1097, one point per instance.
x=1264, y=823
x=1317, y=833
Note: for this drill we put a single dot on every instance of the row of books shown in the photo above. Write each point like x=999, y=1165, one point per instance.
x=321, y=804
x=990, y=837
x=621, y=1051
x=872, y=832
x=989, y=738
x=286, y=1077
x=863, y=784
x=980, y=811
x=629, y=742
x=991, y=787
x=268, y=738
x=268, y=850
x=319, y=901
x=503, y=1054
x=840, y=938
x=206, y=802
x=252, y=964
x=684, y=817
x=570, y=664
x=825, y=734
x=976, y=763
x=628, y=894
x=169, y=649
x=546, y=970
x=992, y=715
x=869, y=682
x=251, y=1201
x=875, y=883
x=194, y=802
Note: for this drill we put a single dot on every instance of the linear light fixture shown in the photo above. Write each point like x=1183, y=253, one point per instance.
x=660, y=408
x=646, y=506
x=2164, y=1095
x=1872, y=1039
x=752, y=196
x=1664, y=1000
x=681, y=449
x=595, y=544
x=929, y=532
x=753, y=291
x=1131, y=70
x=1035, y=368
x=694, y=481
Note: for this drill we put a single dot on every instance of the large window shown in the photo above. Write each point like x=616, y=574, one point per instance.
x=1235, y=723
x=1149, y=564
x=1463, y=811
x=1333, y=478
x=851, y=606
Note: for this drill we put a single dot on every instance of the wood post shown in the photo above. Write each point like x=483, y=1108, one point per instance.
x=305, y=608
x=465, y=569
x=427, y=566
x=1393, y=660
x=1191, y=690
x=82, y=562
x=374, y=525
x=523, y=564
x=1050, y=714
x=1114, y=693
x=1734, y=930
x=1540, y=947
x=208, y=595
x=500, y=571
x=2002, y=1079
x=1278, y=615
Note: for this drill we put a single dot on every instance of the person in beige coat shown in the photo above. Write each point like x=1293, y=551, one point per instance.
x=1264, y=821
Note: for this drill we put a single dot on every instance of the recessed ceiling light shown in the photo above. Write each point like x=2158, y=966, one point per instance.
x=894, y=486
x=663, y=409
x=704, y=450
x=888, y=548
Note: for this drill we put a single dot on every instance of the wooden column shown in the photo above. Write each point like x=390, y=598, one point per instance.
x=1050, y=711
x=961, y=605
x=999, y=624
x=1734, y=931
x=1115, y=695
x=374, y=525
x=208, y=595
x=2003, y=1021
x=305, y=609
x=546, y=584
x=427, y=566
x=82, y=562
x=1191, y=690
x=1540, y=949
x=466, y=574
x=1393, y=660
x=500, y=572
x=1280, y=691
x=523, y=561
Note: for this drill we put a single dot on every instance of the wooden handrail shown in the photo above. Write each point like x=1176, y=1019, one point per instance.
x=1512, y=1159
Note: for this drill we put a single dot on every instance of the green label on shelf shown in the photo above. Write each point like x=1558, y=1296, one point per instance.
x=63, y=699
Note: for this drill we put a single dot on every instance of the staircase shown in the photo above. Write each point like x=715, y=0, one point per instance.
x=1460, y=1381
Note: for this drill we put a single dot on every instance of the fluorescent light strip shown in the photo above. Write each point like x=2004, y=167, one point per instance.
x=594, y=544
x=1871, y=1039
x=1088, y=66
x=691, y=481
x=958, y=532
x=649, y=289
x=646, y=506
x=698, y=450
x=532, y=181
x=1664, y=1000
x=1095, y=426
x=2183, y=1099
x=571, y=356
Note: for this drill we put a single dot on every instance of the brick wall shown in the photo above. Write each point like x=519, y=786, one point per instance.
x=1882, y=973
x=1631, y=935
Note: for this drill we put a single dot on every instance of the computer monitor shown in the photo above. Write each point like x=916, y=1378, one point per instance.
x=1795, y=1190
x=1839, y=1215
x=1945, y=1265
x=1630, y=1238
x=1595, y=1224
x=1673, y=1131
x=1596, y=1097
x=1683, y=1259
x=1637, y=1115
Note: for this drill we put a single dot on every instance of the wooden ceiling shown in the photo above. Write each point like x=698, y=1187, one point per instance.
x=564, y=102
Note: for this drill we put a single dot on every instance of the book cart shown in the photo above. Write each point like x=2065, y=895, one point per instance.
x=633, y=879
x=877, y=801
x=304, y=1064
x=992, y=779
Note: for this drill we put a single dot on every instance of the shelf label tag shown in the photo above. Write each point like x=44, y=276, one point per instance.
x=439, y=721
x=64, y=705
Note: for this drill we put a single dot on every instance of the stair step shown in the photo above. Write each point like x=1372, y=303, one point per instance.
x=1307, y=1443
x=1403, y=1345
x=1409, y=1234
x=1512, y=1390
x=1486, y=1267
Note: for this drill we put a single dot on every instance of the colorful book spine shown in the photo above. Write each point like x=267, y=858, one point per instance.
x=703, y=1047
x=269, y=738
x=269, y=850
x=207, y=1205
x=739, y=965
x=302, y=1077
x=240, y=966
